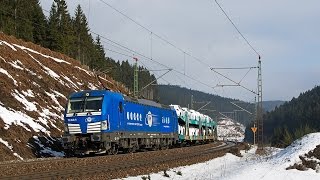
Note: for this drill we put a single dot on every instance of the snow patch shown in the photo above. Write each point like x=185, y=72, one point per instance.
x=251, y=165
x=28, y=93
x=10, y=147
x=2, y=58
x=59, y=94
x=54, y=99
x=3, y=71
x=92, y=87
x=228, y=129
x=71, y=82
x=290, y=155
x=16, y=64
x=11, y=117
x=6, y=144
x=18, y=156
x=31, y=72
x=48, y=70
x=12, y=47
x=43, y=55
x=88, y=72
x=35, y=84
x=21, y=98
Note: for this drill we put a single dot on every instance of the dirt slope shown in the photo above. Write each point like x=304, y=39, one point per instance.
x=34, y=85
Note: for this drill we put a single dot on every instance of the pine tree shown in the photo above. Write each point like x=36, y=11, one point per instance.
x=287, y=137
x=83, y=48
x=52, y=31
x=65, y=37
x=39, y=24
x=7, y=22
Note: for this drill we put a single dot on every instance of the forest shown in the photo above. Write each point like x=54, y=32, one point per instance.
x=291, y=120
x=170, y=94
x=66, y=34
x=71, y=35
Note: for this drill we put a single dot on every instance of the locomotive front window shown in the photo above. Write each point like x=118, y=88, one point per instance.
x=75, y=105
x=93, y=104
x=88, y=104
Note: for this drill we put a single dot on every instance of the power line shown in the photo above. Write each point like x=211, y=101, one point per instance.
x=155, y=34
x=236, y=83
x=153, y=60
x=161, y=38
x=237, y=29
x=133, y=51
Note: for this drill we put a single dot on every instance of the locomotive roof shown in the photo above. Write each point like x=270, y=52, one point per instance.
x=91, y=93
x=127, y=98
x=146, y=102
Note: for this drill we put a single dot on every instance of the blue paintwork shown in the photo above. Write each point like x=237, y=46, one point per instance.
x=134, y=117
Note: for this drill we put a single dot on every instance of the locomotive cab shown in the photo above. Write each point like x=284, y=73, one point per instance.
x=85, y=118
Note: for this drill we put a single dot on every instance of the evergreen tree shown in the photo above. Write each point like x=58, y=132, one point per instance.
x=7, y=16
x=23, y=19
x=98, y=61
x=39, y=25
x=71, y=36
x=52, y=31
x=84, y=46
x=65, y=38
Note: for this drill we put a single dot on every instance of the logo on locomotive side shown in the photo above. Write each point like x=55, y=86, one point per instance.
x=149, y=118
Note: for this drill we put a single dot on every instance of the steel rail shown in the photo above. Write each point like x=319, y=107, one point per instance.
x=108, y=167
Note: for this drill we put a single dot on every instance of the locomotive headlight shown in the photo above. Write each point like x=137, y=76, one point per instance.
x=104, y=125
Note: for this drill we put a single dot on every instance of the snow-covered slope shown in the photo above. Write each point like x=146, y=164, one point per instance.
x=251, y=165
x=229, y=130
x=34, y=85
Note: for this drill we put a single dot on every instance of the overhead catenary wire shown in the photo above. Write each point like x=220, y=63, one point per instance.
x=236, y=83
x=246, y=40
x=155, y=34
x=142, y=55
x=148, y=58
x=158, y=36
x=173, y=45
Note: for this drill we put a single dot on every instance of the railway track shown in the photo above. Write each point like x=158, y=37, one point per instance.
x=114, y=166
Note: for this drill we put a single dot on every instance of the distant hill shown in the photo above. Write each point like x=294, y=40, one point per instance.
x=271, y=105
x=293, y=119
x=170, y=94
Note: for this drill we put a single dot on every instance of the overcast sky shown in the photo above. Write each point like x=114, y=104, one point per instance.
x=285, y=33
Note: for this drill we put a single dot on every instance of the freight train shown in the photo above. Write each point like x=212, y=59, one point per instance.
x=102, y=121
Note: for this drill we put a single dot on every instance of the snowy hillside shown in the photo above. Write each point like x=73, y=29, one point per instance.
x=270, y=167
x=230, y=130
x=34, y=85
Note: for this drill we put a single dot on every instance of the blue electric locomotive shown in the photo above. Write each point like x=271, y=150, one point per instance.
x=102, y=121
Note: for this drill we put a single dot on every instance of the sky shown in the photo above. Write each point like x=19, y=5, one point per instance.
x=284, y=33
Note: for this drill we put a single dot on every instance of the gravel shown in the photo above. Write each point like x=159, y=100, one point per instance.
x=16, y=169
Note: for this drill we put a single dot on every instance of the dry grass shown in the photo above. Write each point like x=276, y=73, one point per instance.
x=35, y=77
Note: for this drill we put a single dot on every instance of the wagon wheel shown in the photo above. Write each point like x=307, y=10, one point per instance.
x=155, y=147
x=131, y=150
x=114, y=150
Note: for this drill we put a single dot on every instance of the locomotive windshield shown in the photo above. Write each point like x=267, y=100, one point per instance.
x=87, y=104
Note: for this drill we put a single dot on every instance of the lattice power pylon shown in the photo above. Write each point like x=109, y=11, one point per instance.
x=259, y=108
x=135, y=79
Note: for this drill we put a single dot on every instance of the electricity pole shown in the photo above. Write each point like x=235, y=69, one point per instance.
x=259, y=108
x=135, y=79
